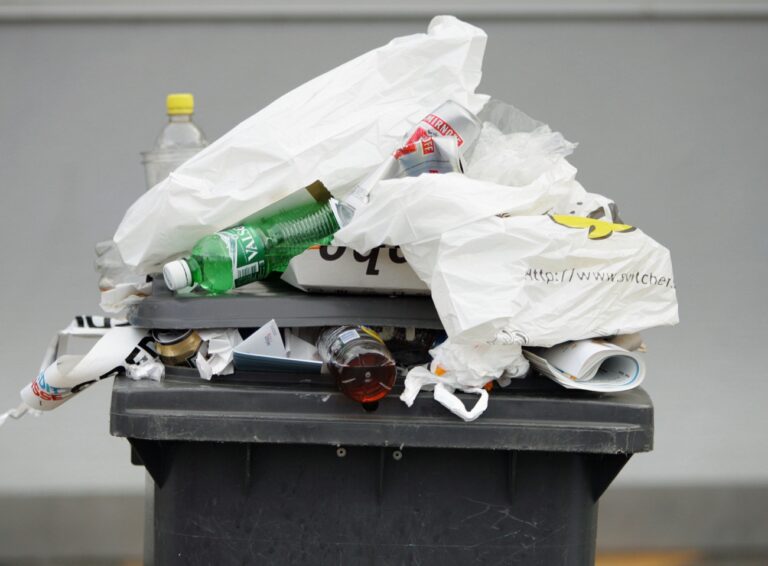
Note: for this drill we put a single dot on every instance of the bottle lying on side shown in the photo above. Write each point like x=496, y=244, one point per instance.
x=249, y=252
x=360, y=362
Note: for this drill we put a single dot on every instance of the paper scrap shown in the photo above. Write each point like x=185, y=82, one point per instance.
x=120, y=349
x=264, y=350
x=216, y=354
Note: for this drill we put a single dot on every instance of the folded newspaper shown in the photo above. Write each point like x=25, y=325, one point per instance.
x=592, y=365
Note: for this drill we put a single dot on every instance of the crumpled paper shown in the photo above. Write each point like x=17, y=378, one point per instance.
x=117, y=300
x=148, y=369
x=216, y=354
x=120, y=285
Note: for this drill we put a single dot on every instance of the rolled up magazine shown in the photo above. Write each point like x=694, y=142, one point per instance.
x=592, y=365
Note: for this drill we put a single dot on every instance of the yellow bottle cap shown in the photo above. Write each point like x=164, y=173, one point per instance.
x=180, y=103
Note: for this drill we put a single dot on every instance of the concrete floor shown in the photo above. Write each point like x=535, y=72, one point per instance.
x=661, y=558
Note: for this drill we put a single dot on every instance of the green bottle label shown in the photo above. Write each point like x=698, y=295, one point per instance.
x=247, y=253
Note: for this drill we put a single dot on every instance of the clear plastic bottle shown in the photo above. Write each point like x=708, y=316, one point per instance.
x=249, y=252
x=179, y=140
x=357, y=357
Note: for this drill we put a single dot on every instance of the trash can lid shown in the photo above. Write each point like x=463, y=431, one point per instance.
x=532, y=416
x=258, y=303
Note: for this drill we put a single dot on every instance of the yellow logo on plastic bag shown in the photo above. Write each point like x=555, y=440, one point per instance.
x=598, y=229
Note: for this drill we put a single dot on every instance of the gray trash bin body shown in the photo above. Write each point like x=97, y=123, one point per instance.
x=283, y=469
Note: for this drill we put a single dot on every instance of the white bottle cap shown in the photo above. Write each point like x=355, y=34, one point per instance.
x=177, y=275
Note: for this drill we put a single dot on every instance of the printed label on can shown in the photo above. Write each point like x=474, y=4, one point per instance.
x=428, y=155
x=442, y=127
x=435, y=126
x=247, y=254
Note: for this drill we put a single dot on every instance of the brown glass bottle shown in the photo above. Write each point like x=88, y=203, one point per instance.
x=359, y=361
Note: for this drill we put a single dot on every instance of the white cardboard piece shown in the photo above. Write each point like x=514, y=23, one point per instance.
x=264, y=350
x=329, y=269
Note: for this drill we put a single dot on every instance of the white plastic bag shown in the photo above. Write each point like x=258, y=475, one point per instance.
x=538, y=257
x=415, y=209
x=465, y=367
x=545, y=279
x=515, y=252
x=335, y=128
x=120, y=286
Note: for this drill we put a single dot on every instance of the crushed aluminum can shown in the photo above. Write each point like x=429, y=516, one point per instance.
x=177, y=347
x=427, y=155
x=449, y=119
x=449, y=123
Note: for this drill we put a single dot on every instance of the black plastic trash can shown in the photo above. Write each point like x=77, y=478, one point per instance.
x=283, y=469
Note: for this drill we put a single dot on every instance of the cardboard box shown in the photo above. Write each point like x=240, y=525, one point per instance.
x=328, y=269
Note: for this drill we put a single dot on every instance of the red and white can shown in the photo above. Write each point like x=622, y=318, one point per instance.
x=448, y=119
x=427, y=155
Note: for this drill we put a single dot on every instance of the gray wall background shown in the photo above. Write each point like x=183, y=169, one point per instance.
x=671, y=118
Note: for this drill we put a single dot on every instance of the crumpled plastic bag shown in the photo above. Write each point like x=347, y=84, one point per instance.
x=120, y=285
x=516, y=252
x=545, y=279
x=516, y=158
x=335, y=128
x=419, y=209
x=467, y=367
x=508, y=172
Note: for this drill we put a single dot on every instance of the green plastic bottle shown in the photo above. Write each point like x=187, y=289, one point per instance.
x=243, y=254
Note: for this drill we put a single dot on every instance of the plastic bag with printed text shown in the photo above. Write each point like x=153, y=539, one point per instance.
x=516, y=253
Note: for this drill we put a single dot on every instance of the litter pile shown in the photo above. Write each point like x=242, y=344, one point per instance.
x=390, y=162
